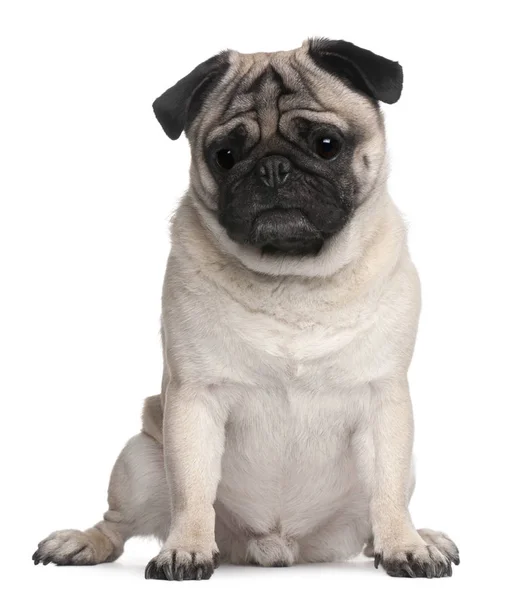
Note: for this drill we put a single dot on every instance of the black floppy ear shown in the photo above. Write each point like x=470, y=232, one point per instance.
x=376, y=76
x=176, y=108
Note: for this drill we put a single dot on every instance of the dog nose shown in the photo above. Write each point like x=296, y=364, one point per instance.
x=274, y=171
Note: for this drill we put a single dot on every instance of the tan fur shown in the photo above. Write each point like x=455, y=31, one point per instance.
x=284, y=422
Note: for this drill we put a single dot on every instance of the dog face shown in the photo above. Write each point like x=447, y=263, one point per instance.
x=286, y=145
x=289, y=189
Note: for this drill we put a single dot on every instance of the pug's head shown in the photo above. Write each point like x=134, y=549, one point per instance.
x=287, y=145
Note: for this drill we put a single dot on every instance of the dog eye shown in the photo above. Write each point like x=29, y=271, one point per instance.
x=225, y=159
x=327, y=147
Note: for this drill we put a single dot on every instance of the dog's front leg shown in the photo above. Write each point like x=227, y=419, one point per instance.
x=193, y=431
x=397, y=545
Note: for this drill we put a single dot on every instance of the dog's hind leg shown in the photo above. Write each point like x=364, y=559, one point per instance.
x=138, y=506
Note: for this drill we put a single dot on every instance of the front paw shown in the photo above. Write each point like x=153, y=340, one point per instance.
x=414, y=560
x=175, y=564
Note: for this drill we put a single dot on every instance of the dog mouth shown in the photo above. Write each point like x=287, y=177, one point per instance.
x=286, y=231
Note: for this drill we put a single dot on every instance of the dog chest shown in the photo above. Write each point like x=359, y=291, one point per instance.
x=287, y=460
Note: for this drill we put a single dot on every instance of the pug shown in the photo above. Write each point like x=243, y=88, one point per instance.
x=283, y=430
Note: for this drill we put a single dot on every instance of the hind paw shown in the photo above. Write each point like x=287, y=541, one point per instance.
x=441, y=541
x=67, y=547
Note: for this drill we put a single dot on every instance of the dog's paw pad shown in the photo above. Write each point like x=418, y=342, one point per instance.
x=415, y=561
x=179, y=565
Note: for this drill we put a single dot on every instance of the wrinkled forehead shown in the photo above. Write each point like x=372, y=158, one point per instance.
x=264, y=90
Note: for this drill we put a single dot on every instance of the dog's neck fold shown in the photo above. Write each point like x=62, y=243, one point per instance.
x=367, y=249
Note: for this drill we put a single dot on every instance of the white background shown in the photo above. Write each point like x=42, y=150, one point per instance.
x=88, y=181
